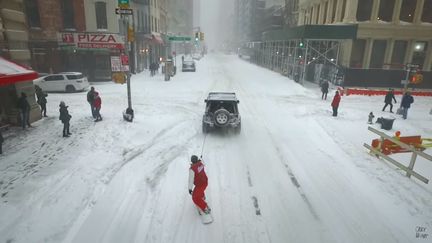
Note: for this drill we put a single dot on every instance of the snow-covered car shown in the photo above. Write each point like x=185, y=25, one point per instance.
x=188, y=65
x=196, y=56
x=221, y=112
x=63, y=82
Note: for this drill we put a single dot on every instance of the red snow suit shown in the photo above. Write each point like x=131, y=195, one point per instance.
x=200, y=181
x=336, y=100
x=98, y=102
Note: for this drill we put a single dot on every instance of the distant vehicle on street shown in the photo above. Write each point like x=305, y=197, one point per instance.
x=188, y=65
x=221, y=112
x=196, y=56
x=63, y=82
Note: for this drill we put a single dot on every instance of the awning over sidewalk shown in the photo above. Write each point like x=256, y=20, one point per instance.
x=11, y=73
x=155, y=38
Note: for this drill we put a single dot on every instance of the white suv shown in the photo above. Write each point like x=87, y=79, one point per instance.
x=63, y=82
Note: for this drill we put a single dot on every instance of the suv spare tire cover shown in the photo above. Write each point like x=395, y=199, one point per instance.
x=221, y=117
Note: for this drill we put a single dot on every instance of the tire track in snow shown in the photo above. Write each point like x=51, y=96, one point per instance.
x=282, y=158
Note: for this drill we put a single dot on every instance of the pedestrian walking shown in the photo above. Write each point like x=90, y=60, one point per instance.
x=324, y=89
x=152, y=69
x=1, y=142
x=198, y=178
x=98, y=105
x=406, y=102
x=41, y=100
x=24, y=107
x=388, y=100
x=65, y=118
x=371, y=117
x=90, y=100
x=335, y=103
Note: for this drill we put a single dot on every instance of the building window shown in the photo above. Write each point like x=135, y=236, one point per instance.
x=398, y=56
x=151, y=23
x=427, y=11
x=407, y=10
x=386, y=10
x=357, y=53
x=419, y=55
x=343, y=9
x=364, y=10
x=325, y=12
x=333, y=18
x=32, y=12
x=139, y=20
x=101, y=16
x=378, y=52
x=68, y=14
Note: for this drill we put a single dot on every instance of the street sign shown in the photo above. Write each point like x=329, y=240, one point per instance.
x=123, y=3
x=404, y=81
x=179, y=38
x=125, y=11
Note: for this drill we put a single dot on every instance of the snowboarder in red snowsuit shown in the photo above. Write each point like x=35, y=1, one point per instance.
x=198, y=177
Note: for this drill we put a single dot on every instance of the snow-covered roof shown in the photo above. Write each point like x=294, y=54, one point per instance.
x=11, y=73
x=222, y=96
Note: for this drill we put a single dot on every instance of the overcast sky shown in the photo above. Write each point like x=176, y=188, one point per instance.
x=214, y=19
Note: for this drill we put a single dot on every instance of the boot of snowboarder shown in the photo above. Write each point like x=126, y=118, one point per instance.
x=198, y=183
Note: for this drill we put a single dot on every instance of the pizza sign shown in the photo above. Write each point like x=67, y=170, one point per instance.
x=92, y=40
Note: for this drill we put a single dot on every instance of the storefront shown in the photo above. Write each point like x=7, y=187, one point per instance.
x=90, y=53
x=15, y=79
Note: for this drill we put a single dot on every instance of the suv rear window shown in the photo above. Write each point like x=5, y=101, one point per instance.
x=54, y=78
x=74, y=76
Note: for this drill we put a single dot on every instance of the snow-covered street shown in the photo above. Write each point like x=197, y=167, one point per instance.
x=294, y=174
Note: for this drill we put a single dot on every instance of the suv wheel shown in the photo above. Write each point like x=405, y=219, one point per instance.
x=70, y=89
x=221, y=117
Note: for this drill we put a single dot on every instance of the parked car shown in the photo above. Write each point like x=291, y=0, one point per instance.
x=221, y=112
x=63, y=82
x=188, y=65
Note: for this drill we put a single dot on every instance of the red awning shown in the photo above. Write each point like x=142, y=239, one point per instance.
x=11, y=73
x=155, y=38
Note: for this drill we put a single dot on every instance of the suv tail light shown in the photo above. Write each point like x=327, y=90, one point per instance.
x=79, y=81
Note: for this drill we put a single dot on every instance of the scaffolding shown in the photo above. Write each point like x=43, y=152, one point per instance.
x=303, y=53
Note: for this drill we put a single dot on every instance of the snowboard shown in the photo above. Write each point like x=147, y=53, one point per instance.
x=205, y=218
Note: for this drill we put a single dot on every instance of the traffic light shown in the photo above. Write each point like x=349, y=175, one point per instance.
x=301, y=43
x=130, y=34
x=416, y=78
x=201, y=36
x=196, y=36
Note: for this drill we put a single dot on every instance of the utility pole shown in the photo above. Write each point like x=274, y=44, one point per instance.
x=125, y=11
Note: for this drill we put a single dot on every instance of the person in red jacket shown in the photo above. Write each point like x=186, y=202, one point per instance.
x=97, y=104
x=198, y=177
x=335, y=103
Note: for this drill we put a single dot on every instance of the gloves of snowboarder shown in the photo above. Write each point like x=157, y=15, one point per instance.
x=190, y=192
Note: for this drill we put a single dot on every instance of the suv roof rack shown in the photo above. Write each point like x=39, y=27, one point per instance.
x=229, y=96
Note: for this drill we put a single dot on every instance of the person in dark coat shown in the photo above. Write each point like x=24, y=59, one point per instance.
x=1, y=142
x=90, y=100
x=407, y=100
x=152, y=69
x=335, y=103
x=24, y=107
x=65, y=118
x=324, y=89
x=98, y=106
x=41, y=100
x=388, y=100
